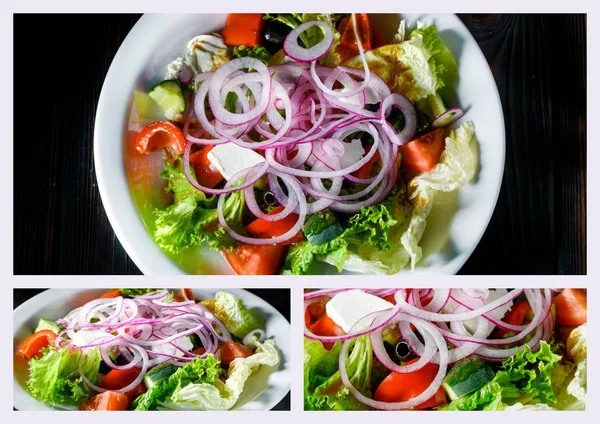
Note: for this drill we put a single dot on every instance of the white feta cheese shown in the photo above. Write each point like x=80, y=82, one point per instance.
x=353, y=152
x=88, y=336
x=183, y=343
x=497, y=313
x=348, y=307
x=229, y=159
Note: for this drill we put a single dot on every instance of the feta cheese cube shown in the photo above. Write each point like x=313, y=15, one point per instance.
x=183, y=342
x=497, y=313
x=88, y=336
x=229, y=159
x=353, y=152
x=348, y=307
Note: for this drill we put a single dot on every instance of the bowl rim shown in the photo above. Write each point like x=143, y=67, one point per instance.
x=130, y=230
x=31, y=306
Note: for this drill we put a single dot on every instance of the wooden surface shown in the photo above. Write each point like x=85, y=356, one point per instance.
x=539, y=225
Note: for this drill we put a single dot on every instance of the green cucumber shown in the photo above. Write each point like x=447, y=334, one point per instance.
x=47, y=324
x=159, y=374
x=322, y=227
x=467, y=376
x=170, y=98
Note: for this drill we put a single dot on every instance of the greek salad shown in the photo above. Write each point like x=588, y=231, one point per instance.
x=288, y=139
x=445, y=349
x=143, y=349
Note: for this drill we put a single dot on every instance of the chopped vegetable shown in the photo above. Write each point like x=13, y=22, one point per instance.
x=243, y=29
x=110, y=294
x=233, y=313
x=119, y=379
x=206, y=173
x=571, y=307
x=257, y=52
x=266, y=229
x=423, y=153
x=170, y=98
x=398, y=387
x=33, y=345
x=251, y=259
x=466, y=376
x=47, y=324
x=232, y=350
x=160, y=135
x=107, y=401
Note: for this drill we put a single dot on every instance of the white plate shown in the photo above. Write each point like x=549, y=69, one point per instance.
x=262, y=392
x=157, y=39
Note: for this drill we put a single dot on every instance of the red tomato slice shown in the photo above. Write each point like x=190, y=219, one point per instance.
x=207, y=174
x=250, y=259
x=107, y=401
x=231, y=350
x=423, y=153
x=397, y=387
x=571, y=307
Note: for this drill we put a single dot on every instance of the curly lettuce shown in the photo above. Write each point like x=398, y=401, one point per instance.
x=525, y=379
x=215, y=394
x=457, y=167
x=370, y=232
x=192, y=217
x=230, y=310
x=54, y=378
x=323, y=388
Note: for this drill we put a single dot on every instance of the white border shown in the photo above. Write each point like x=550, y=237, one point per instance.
x=462, y=6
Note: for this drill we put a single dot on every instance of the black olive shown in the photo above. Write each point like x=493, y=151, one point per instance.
x=269, y=198
x=274, y=35
x=402, y=350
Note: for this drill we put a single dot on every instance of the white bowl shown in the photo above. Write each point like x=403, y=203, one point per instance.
x=263, y=390
x=157, y=39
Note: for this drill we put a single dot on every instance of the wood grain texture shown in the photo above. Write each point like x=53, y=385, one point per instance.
x=538, y=227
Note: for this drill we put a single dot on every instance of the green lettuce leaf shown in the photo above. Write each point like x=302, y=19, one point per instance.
x=135, y=292
x=368, y=244
x=54, y=378
x=238, y=319
x=457, y=167
x=525, y=378
x=442, y=60
x=192, y=218
x=256, y=52
x=201, y=370
x=405, y=67
x=323, y=388
x=220, y=395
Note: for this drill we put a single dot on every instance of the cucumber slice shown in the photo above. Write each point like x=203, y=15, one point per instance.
x=322, y=227
x=466, y=376
x=147, y=109
x=170, y=98
x=47, y=324
x=158, y=374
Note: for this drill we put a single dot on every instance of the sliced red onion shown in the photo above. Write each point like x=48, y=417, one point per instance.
x=410, y=118
x=254, y=336
x=185, y=74
x=301, y=54
x=448, y=117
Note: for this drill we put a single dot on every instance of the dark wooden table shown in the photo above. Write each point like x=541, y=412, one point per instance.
x=539, y=225
x=278, y=298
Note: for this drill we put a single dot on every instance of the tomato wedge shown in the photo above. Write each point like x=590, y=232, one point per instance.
x=423, y=153
x=516, y=316
x=33, y=345
x=160, y=135
x=107, y=401
x=207, y=174
x=242, y=29
x=365, y=170
x=571, y=307
x=251, y=259
x=267, y=229
x=348, y=46
x=326, y=327
x=118, y=379
x=231, y=350
x=315, y=311
x=111, y=294
x=398, y=387
x=184, y=295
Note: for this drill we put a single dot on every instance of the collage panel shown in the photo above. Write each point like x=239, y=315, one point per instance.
x=447, y=146
x=152, y=349
x=445, y=349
